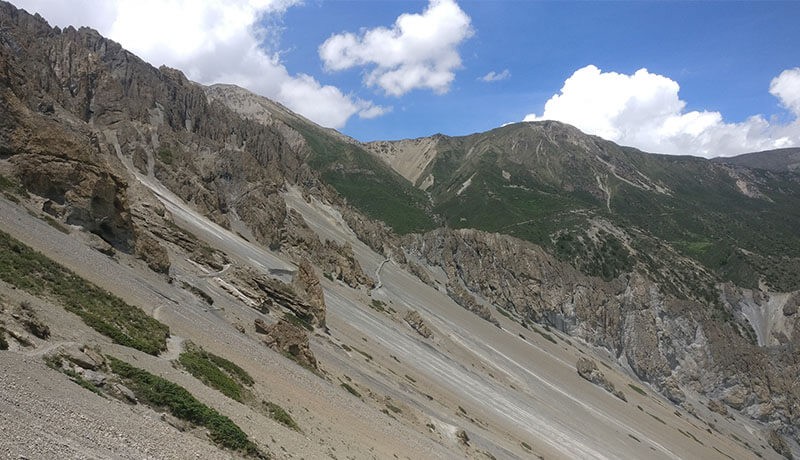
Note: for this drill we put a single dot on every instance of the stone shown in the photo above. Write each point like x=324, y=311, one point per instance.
x=261, y=326
x=80, y=359
x=588, y=370
x=413, y=318
x=292, y=341
x=126, y=392
x=463, y=437
x=718, y=407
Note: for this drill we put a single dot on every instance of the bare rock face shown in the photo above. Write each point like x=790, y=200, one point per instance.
x=306, y=281
x=777, y=442
x=413, y=318
x=791, y=306
x=289, y=339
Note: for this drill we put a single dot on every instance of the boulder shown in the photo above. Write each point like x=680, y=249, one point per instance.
x=292, y=341
x=413, y=318
x=587, y=369
x=261, y=326
x=718, y=407
x=83, y=360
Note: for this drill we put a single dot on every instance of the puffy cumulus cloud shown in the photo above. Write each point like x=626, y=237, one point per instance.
x=212, y=41
x=495, y=76
x=644, y=110
x=419, y=51
x=786, y=87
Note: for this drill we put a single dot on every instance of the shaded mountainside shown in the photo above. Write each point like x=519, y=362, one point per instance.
x=779, y=160
x=684, y=271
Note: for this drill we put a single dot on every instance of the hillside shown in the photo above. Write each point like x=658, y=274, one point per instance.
x=773, y=160
x=192, y=271
x=550, y=184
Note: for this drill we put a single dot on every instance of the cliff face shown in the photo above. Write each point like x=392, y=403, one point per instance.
x=669, y=341
x=78, y=108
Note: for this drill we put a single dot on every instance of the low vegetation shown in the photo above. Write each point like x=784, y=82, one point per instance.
x=203, y=295
x=351, y=390
x=163, y=394
x=216, y=372
x=278, y=414
x=3, y=341
x=106, y=313
x=637, y=389
x=547, y=336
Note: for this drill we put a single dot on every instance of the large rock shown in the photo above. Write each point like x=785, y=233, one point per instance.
x=292, y=341
x=587, y=369
x=153, y=253
x=413, y=318
x=306, y=282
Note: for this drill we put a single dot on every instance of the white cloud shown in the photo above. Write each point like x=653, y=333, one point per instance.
x=419, y=51
x=214, y=41
x=495, y=76
x=786, y=87
x=644, y=110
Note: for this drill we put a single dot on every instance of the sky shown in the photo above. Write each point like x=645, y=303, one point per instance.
x=698, y=78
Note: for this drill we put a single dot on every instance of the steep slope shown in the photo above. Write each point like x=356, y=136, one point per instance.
x=241, y=210
x=356, y=174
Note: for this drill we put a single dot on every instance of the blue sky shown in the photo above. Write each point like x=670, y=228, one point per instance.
x=723, y=55
x=722, y=77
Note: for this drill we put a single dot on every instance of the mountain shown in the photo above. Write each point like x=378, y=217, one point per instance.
x=191, y=270
x=550, y=184
x=773, y=160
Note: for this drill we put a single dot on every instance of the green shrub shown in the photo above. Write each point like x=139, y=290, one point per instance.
x=278, y=414
x=637, y=389
x=109, y=315
x=3, y=341
x=163, y=394
x=215, y=371
x=351, y=390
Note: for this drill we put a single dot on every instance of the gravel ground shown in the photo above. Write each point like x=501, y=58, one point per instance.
x=502, y=390
x=44, y=415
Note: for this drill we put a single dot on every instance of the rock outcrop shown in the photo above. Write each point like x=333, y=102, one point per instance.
x=290, y=340
x=413, y=318
x=306, y=281
x=668, y=341
x=588, y=370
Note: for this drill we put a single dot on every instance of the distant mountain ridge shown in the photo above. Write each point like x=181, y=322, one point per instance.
x=546, y=181
x=774, y=160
